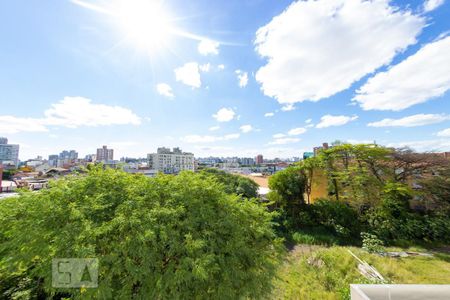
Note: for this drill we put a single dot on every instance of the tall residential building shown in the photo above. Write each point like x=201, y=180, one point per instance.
x=104, y=154
x=248, y=161
x=259, y=159
x=9, y=154
x=68, y=155
x=53, y=160
x=169, y=162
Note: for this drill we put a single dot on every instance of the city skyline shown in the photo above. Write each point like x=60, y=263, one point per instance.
x=239, y=78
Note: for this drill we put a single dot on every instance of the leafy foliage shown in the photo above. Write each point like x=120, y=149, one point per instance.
x=371, y=243
x=337, y=217
x=288, y=187
x=234, y=184
x=169, y=237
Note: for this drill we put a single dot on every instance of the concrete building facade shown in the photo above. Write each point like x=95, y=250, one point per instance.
x=9, y=153
x=104, y=154
x=259, y=159
x=171, y=162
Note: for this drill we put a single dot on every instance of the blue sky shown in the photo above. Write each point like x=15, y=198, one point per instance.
x=231, y=78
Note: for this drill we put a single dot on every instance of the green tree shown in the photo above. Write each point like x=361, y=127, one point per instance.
x=169, y=237
x=234, y=184
x=288, y=187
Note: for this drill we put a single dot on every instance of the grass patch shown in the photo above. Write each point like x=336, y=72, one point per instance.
x=317, y=236
x=301, y=277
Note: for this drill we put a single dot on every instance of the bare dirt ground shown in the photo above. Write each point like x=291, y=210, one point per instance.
x=261, y=181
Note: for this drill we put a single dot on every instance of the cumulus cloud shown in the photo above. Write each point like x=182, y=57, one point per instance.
x=165, y=90
x=209, y=138
x=297, y=131
x=269, y=114
x=330, y=120
x=430, y=5
x=189, y=74
x=246, y=128
x=316, y=49
x=308, y=121
x=224, y=114
x=206, y=47
x=279, y=135
x=78, y=111
x=288, y=107
x=221, y=67
x=412, y=121
x=417, y=79
x=444, y=133
x=242, y=78
x=70, y=112
x=205, y=67
x=284, y=141
x=214, y=128
x=437, y=145
x=11, y=125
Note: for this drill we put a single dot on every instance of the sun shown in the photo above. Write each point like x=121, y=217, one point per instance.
x=145, y=24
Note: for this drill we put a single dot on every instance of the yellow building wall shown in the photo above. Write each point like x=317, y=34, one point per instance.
x=319, y=187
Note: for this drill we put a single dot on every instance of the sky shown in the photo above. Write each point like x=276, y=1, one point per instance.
x=223, y=78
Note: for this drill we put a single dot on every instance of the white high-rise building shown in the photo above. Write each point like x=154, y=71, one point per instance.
x=104, y=154
x=170, y=162
x=9, y=154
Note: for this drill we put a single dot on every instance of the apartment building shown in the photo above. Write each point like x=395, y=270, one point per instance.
x=104, y=154
x=9, y=153
x=259, y=159
x=171, y=162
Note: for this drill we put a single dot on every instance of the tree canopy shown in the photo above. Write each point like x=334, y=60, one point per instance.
x=169, y=237
x=234, y=184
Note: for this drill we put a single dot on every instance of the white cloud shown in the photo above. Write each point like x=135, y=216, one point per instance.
x=279, y=135
x=430, y=5
x=284, y=141
x=189, y=74
x=417, y=79
x=269, y=114
x=11, y=125
x=308, y=121
x=221, y=67
x=78, y=111
x=205, y=67
x=224, y=114
x=246, y=128
x=297, y=131
x=242, y=78
x=424, y=145
x=209, y=138
x=316, y=49
x=352, y=141
x=206, y=47
x=165, y=90
x=329, y=120
x=412, y=121
x=288, y=107
x=444, y=133
x=70, y=112
x=214, y=128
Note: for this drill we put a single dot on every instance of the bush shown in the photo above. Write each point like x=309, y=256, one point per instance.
x=169, y=237
x=337, y=217
x=234, y=184
x=371, y=243
x=315, y=236
x=393, y=220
